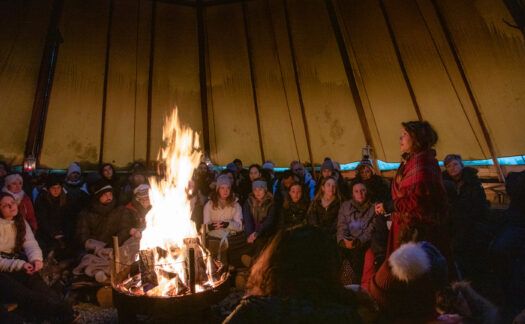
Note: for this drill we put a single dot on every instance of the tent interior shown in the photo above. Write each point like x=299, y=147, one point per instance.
x=278, y=80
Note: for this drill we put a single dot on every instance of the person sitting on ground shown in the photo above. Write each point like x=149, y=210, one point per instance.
x=137, y=177
x=20, y=261
x=245, y=189
x=223, y=216
x=137, y=209
x=304, y=177
x=354, y=231
x=102, y=220
x=107, y=171
x=282, y=186
x=203, y=178
x=268, y=173
x=50, y=210
x=295, y=206
x=328, y=170
x=376, y=186
x=461, y=299
x=324, y=208
x=296, y=280
x=13, y=186
x=259, y=215
x=470, y=234
x=77, y=197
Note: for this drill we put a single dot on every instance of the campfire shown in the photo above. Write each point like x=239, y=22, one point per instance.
x=172, y=260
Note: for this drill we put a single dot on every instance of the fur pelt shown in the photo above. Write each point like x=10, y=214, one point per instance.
x=409, y=262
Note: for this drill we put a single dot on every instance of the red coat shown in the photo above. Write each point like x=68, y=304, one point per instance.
x=420, y=203
x=26, y=210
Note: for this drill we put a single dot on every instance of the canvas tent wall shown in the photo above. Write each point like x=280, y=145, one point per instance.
x=287, y=79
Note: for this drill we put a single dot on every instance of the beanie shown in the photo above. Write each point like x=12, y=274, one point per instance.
x=12, y=178
x=141, y=192
x=100, y=187
x=73, y=167
x=259, y=184
x=223, y=180
x=268, y=165
x=232, y=167
x=52, y=180
x=327, y=164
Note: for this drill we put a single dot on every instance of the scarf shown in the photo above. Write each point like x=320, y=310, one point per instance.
x=260, y=208
x=18, y=196
x=361, y=207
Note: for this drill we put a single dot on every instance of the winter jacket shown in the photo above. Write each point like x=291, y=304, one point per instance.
x=50, y=214
x=7, y=246
x=267, y=215
x=101, y=222
x=469, y=210
x=324, y=217
x=135, y=214
x=355, y=222
x=294, y=215
x=274, y=309
x=230, y=214
x=26, y=209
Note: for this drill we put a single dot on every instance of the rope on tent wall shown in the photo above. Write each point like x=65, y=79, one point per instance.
x=400, y=59
x=252, y=78
x=298, y=84
x=209, y=88
x=276, y=53
x=357, y=69
x=448, y=74
x=105, y=87
x=136, y=81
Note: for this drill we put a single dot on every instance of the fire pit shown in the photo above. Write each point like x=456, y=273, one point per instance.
x=169, y=275
x=186, y=304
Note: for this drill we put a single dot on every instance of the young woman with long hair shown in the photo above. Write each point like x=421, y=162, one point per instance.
x=324, y=207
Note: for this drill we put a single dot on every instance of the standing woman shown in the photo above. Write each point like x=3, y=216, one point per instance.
x=420, y=199
x=20, y=260
x=13, y=186
x=324, y=208
x=295, y=205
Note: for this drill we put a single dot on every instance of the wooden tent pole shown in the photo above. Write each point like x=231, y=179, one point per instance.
x=201, y=35
x=105, y=86
x=150, y=80
x=298, y=85
x=350, y=76
x=400, y=60
x=252, y=76
x=35, y=136
x=453, y=49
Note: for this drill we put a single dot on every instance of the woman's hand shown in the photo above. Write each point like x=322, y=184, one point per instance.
x=251, y=238
x=37, y=265
x=28, y=267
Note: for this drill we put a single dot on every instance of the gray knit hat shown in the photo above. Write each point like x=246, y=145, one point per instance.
x=223, y=180
x=327, y=164
x=259, y=184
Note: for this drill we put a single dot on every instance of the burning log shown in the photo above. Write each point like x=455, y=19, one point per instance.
x=147, y=269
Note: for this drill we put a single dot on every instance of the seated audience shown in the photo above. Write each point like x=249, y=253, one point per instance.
x=328, y=170
x=282, y=185
x=304, y=177
x=107, y=171
x=13, y=186
x=354, y=231
x=135, y=211
x=137, y=177
x=245, y=189
x=295, y=206
x=77, y=197
x=223, y=215
x=20, y=261
x=259, y=215
x=377, y=187
x=50, y=210
x=324, y=208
